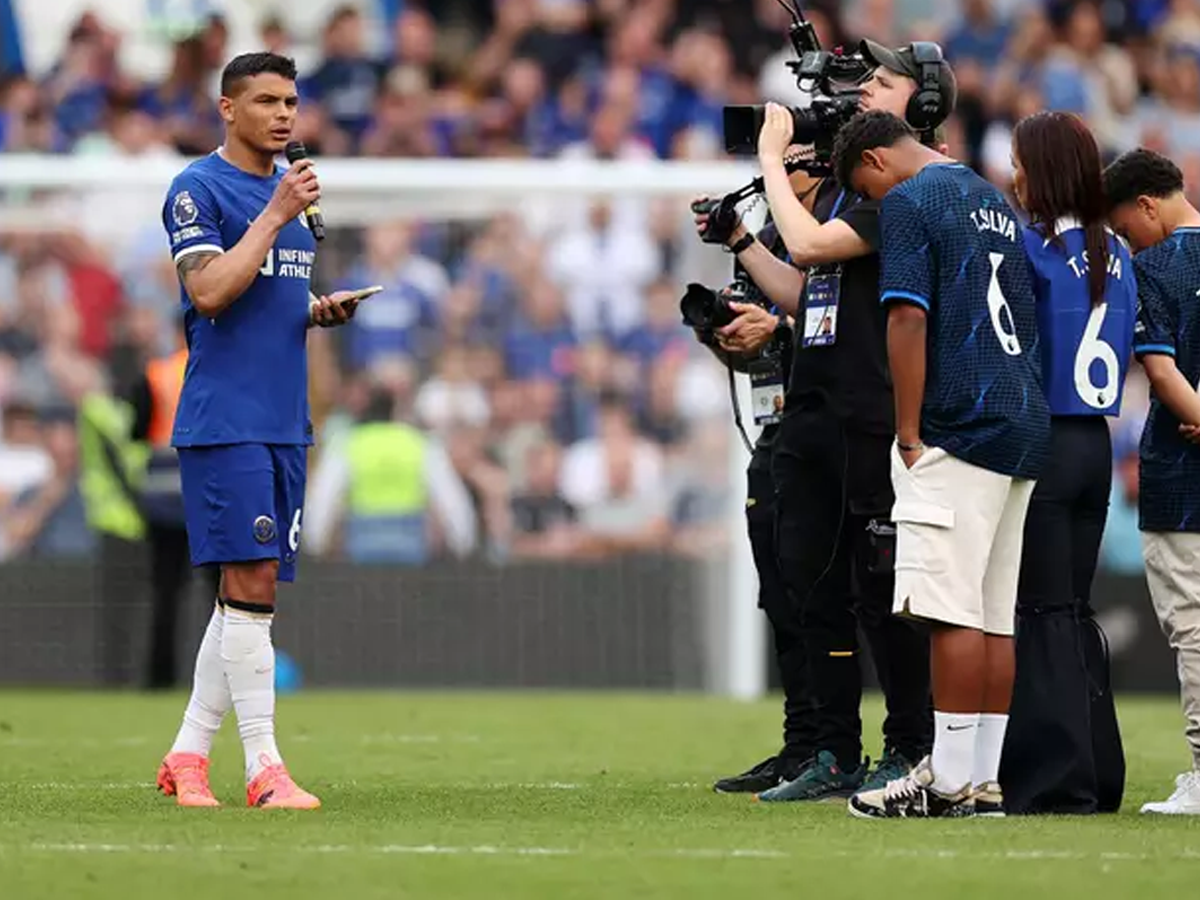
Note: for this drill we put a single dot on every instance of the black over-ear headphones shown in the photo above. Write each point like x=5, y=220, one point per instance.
x=926, y=108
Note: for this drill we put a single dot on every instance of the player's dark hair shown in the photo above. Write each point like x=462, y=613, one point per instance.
x=1141, y=173
x=866, y=131
x=250, y=64
x=1064, y=179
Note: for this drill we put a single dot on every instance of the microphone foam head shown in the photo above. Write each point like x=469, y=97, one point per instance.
x=294, y=151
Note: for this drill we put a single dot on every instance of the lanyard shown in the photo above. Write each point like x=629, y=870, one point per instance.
x=837, y=204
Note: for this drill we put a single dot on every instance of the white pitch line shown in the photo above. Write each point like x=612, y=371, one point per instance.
x=90, y=743
x=412, y=849
x=83, y=786
x=142, y=740
x=368, y=739
x=686, y=853
x=142, y=785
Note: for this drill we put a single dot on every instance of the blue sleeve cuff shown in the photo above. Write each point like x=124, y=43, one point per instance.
x=1143, y=349
x=905, y=296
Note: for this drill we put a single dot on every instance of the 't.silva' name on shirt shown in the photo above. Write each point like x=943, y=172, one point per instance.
x=1079, y=265
x=986, y=219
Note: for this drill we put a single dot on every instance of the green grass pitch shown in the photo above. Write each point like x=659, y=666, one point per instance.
x=526, y=796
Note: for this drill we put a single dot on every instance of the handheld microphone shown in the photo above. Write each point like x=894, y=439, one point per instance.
x=294, y=151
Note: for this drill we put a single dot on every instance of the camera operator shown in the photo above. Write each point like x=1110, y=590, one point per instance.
x=831, y=463
x=757, y=321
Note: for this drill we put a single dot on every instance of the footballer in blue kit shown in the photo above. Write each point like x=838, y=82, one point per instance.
x=237, y=223
x=1150, y=209
x=242, y=427
x=1062, y=751
x=972, y=434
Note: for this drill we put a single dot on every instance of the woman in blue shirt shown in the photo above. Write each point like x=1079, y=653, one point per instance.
x=1062, y=752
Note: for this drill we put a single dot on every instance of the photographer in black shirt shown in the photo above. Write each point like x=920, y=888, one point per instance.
x=830, y=463
x=768, y=366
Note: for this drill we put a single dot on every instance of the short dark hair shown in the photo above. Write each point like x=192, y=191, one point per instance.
x=250, y=64
x=1138, y=173
x=866, y=131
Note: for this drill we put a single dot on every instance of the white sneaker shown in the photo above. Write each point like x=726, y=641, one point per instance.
x=1184, y=802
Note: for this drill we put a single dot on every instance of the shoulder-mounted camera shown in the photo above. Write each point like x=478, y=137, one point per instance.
x=832, y=78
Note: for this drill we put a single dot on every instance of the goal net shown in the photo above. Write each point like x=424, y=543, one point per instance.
x=587, y=528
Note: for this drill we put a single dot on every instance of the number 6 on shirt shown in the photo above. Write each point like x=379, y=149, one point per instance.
x=1091, y=348
x=294, y=533
x=997, y=304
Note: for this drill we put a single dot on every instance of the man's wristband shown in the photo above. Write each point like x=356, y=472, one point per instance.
x=910, y=448
x=744, y=243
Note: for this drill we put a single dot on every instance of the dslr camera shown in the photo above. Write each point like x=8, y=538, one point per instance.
x=706, y=310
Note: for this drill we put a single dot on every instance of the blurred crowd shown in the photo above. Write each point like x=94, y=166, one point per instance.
x=539, y=350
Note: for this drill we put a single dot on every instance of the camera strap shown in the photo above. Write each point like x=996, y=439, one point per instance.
x=737, y=408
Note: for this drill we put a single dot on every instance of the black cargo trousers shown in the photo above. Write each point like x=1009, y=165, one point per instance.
x=783, y=614
x=833, y=499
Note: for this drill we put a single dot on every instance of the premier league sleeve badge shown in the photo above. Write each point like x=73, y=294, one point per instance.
x=184, y=210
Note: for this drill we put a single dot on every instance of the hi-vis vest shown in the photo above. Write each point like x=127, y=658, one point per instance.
x=387, y=470
x=165, y=377
x=110, y=467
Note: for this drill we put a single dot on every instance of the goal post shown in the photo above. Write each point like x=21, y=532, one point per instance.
x=108, y=197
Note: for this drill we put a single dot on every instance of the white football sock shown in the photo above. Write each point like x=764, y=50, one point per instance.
x=954, y=736
x=989, y=745
x=250, y=667
x=210, y=698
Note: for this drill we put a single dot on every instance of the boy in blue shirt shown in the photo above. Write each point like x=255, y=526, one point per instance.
x=972, y=433
x=1150, y=210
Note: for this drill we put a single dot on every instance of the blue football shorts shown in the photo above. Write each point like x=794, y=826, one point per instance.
x=243, y=503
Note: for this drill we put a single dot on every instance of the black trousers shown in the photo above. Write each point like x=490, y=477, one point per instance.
x=170, y=575
x=831, y=484
x=1062, y=752
x=799, y=721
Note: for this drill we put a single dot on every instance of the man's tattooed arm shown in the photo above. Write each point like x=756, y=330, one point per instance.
x=193, y=262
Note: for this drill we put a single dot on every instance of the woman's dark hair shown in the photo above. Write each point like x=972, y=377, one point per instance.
x=1064, y=179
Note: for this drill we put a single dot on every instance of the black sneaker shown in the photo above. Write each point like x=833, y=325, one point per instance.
x=893, y=766
x=764, y=776
x=821, y=779
x=913, y=797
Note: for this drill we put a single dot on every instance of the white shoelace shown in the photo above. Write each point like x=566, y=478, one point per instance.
x=902, y=788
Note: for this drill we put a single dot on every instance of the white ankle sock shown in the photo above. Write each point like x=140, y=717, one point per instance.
x=250, y=667
x=954, y=736
x=210, y=698
x=989, y=745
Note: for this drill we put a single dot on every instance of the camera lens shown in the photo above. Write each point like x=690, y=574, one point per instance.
x=806, y=126
x=697, y=306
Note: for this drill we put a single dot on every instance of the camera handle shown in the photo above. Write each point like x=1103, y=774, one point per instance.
x=724, y=209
